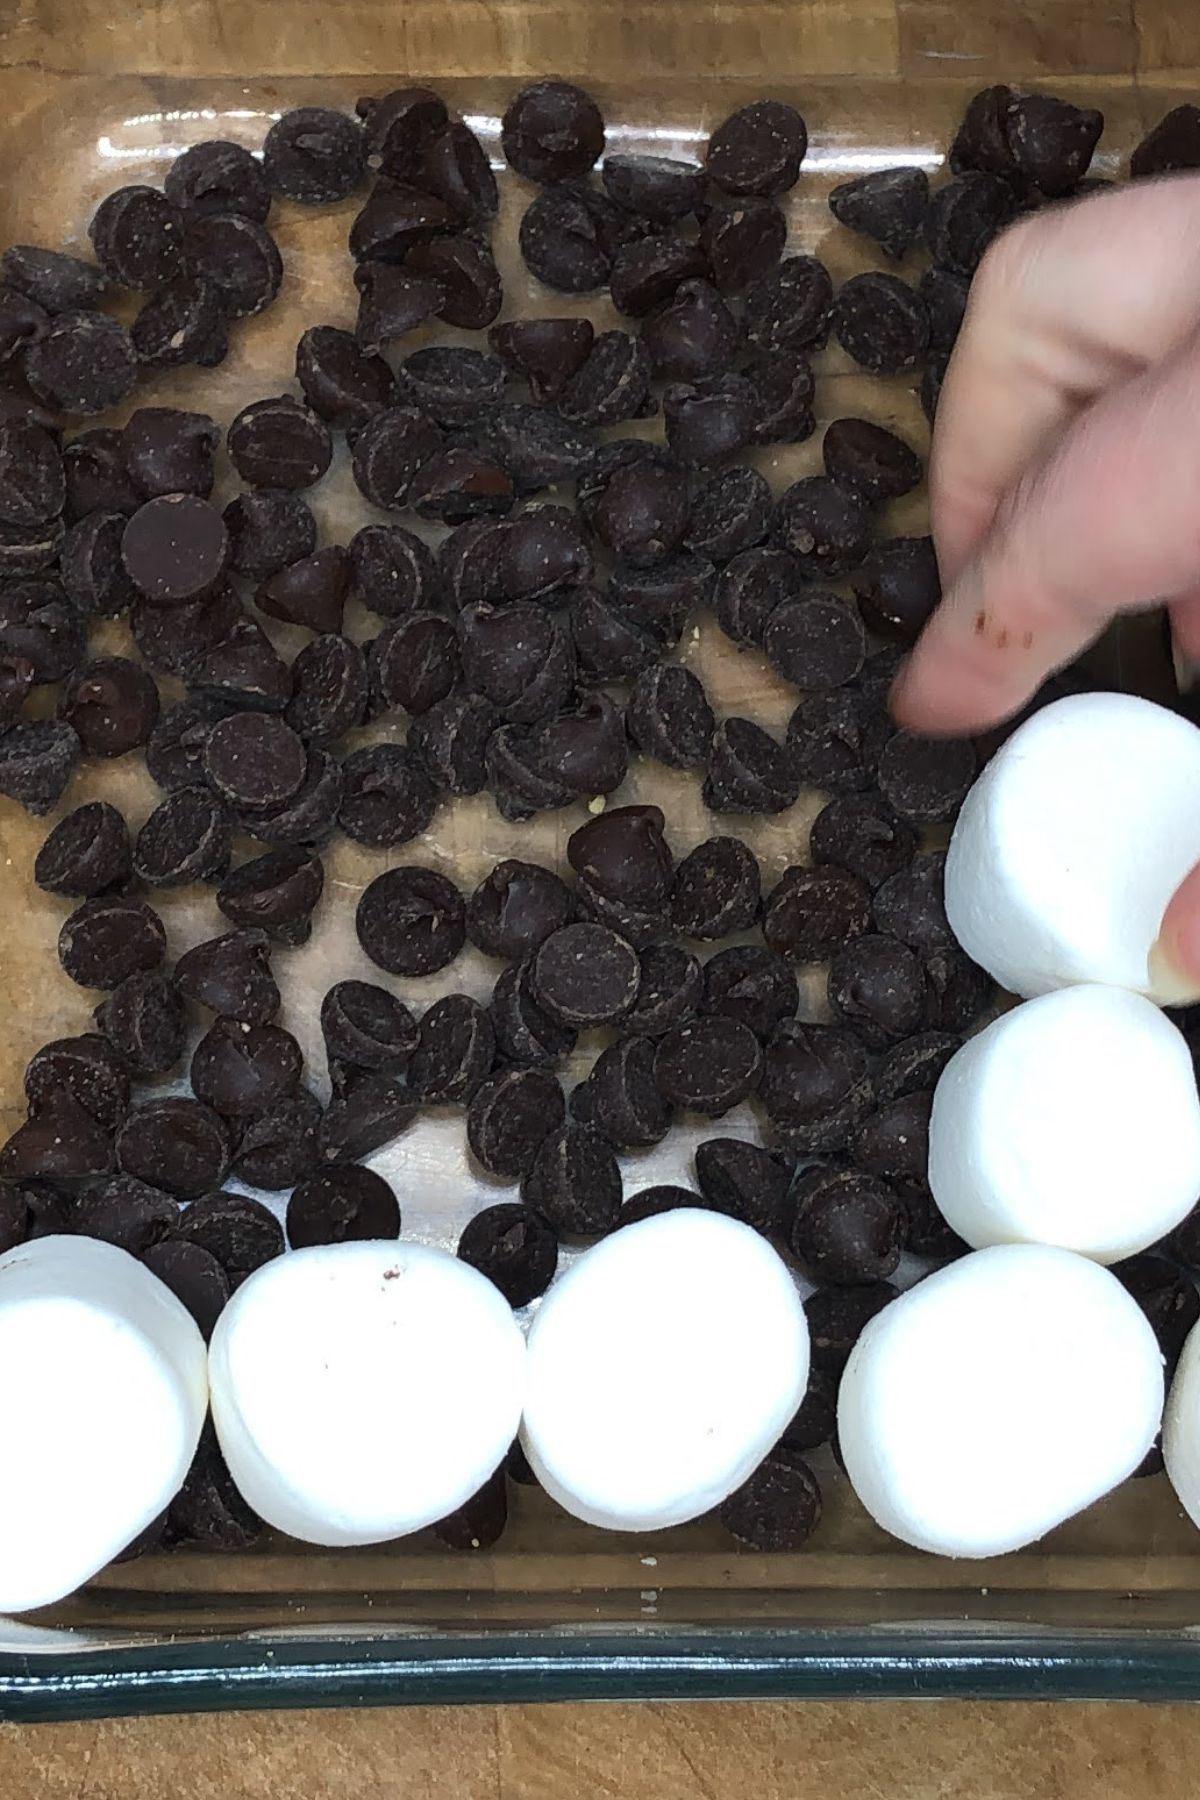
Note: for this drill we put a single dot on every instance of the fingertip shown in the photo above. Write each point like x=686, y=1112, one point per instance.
x=1174, y=960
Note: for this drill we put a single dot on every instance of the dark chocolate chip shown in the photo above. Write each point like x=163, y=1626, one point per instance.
x=730, y=513
x=59, y=1143
x=108, y=938
x=17, y=675
x=451, y=741
x=216, y=176
x=945, y=295
x=622, y=1098
x=709, y=419
x=86, y=853
x=339, y=380
x=745, y=1181
x=279, y=443
x=749, y=589
x=958, y=989
x=877, y=985
x=748, y=771
x=314, y=155
x=387, y=797
x=837, y=1317
x=89, y=1069
x=175, y=548
x=394, y=570
x=563, y=242
x=91, y=567
x=145, y=1021
x=84, y=363
x=311, y=592
x=455, y=1052
x=783, y=386
x=742, y=242
x=826, y=528
x=526, y=1034
x=456, y=484
x=790, y=306
x=309, y=817
x=812, y=913
x=329, y=690
x=752, y=985
x=177, y=1144
x=194, y=1276
x=341, y=1205
x=183, y=322
x=836, y=739
x=36, y=763
x=240, y=259
x=898, y=587
x=857, y=834
x=659, y=188
x=138, y=236
x=926, y=780
x=467, y=273
x=367, y=1112
x=716, y=890
x=758, y=149
x=893, y=1141
x=515, y=1247
x=242, y=1234
x=914, y=1065
x=692, y=336
x=585, y=975
x=546, y=352
x=243, y=669
x=551, y=131
x=33, y=486
x=778, y=1508
x=1166, y=1296
x=509, y=1118
x=389, y=450
x=411, y=921
x=881, y=323
x=649, y=1202
x=516, y=908
x=175, y=752
x=243, y=1070
x=231, y=975
x=536, y=447
x=367, y=1027
x=815, y=1419
x=623, y=855
x=574, y=1182
x=392, y=302
x=96, y=476
x=112, y=704
x=815, y=1085
x=887, y=205
x=125, y=1212
x=268, y=530
x=454, y=165
x=53, y=280
x=964, y=217
x=395, y=219
x=612, y=384
x=186, y=838
x=849, y=1226
x=1052, y=141
x=1173, y=144
x=647, y=272
x=816, y=642
x=862, y=455
x=254, y=760
x=708, y=1065
x=544, y=555
x=278, y=1147
x=668, y=717
x=669, y=988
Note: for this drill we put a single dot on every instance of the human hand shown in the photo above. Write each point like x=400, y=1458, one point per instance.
x=1065, y=474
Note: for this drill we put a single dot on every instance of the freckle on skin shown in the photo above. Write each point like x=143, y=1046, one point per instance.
x=1027, y=641
x=1002, y=639
x=980, y=624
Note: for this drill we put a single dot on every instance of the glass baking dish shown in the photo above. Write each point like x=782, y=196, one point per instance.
x=1107, y=1605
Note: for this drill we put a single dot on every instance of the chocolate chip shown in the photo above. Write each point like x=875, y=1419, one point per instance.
x=186, y=838
x=60, y=1143
x=279, y=443
x=536, y=447
x=454, y=166
x=622, y=1098
x=812, y=913
x=175, y=548
x=242, y=1234
x=1167, y=1297
x=848, y=1227
x=468, y=276
x=451, y=741
x=563, y=244
x=881, y=322
x=709, y=419
x=91, y=568
x=551, y=131
x=388, y=798
x=659, y=188
x=112, y=704
x=310, y=592
x=455, y=1051
x=176, y=1144
x=914, y=1065
x=707, y=1064
x=108, y=938
x=243, y=669
x=268, y=530
x=515, y=1247
x=758, y=149
x=692, y=336
x=194, y=1276
x=525, y=1033
x=585, y=975
x=748, y=1183
x=865, y=456
x=456, y=484
x=84, y=363
x=241, y=1070
x=452, y=384
x=17, y=675
x=817, y=642
x=218, y=177
x=411, y=921
x=649, y=1202
x=964, y=217
x=340, y=382
x=815, y=1085
x=893, y=1141
x=367, y=1112
x=399, y=126
x=241, y=260
x=661, y=596
x=612, y=384
x=877, y=985
x=574, y=1182
x=945, y=295
x=96, y=477
x=742, y=242
x=911, y=907
x=183, y=322
x=783, y=386
x=510, y=1116
x=392, y=302
x=341, y=1205
x=38, y=623
x=778, y=1508
x=898, y=587
x=389, y=450
x=858, y=835
x=981, y=141
x=837, y=1317
x=647, y=272
x=53, y=280
x=716, y=890
x=395, y=218
x=748, y=771
x=1052, y=142
x=33, y=485
x=89, y=1069
x=145, y=1020
x=925, y=779
x=581, y=752
x=231, y=975
x=330, y=690
x=668, y=993
x=309, y=817
x=749, y=589
x=516, y=908
x=623, y=855
x=836, y=739
x=825, y=527
x=87, y=852
x=668, y=717
x=278, y=1147
x=175, y=752
x=752, y=985
x=127, y=1213
x=546, y=352
x=729, y=514
x=958, y=989
x=887, y=205
x=544, y=555
x=138, y=236
x=394, y=570
x=314, y=155
x=1173, y=144
x=609, y=644
x=790, y=306
x=254, y=760
x=815, y=1420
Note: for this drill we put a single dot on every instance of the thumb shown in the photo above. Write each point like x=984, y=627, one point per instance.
x=1106, y=522
x=1175, y=958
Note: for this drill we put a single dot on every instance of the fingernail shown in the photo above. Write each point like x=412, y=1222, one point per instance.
x=1171, y=981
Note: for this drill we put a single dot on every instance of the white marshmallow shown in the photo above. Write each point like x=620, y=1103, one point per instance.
x=101, y=1407
x=363, y=1390
x=1073, y=840
x=997, y=1398
x=663, y=1366
x=1071, y=1120
x=1181, y=1427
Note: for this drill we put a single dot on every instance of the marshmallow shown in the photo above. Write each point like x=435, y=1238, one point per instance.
x=997, y=1398
x=663, y=1366
x=1181, y=1428
x=101, y=1407
x=1072, y=1120
x=363, y=1390
x=1073, y=840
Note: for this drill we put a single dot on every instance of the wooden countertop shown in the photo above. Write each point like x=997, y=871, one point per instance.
x=901, y=1751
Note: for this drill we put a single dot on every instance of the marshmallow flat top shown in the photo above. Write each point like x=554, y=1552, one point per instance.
x=1181, y=1428
x=363, y=1390
x=997, y=1398
x=1073, y=840
x=1071, y=1120
x=103, y=1399
x=663, y=1366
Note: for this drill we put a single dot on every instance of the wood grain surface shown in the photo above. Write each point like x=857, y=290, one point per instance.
x=901, y=1751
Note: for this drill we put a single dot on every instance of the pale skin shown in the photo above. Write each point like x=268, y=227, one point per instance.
x=1065, y=472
